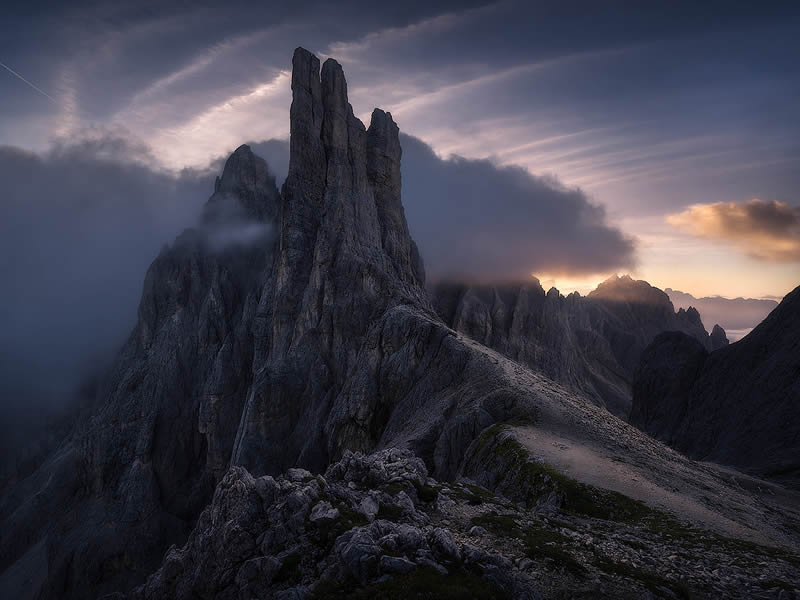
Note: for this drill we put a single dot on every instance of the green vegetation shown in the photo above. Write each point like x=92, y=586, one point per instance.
x=474, y=495
x=423, y=583
x=650, y=580
x=328, y=531
x=425, y=492
x=539, y=480
x=505, y=525
x=539, y=542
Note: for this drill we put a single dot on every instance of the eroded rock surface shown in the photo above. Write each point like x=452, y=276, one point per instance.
x=304, y=536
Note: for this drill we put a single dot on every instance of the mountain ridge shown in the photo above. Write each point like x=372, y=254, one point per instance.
x=591, y=344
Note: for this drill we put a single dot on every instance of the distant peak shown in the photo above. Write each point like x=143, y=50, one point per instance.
x=693, y=315
x=244, y=149
x=634, y=291
x=246, y=179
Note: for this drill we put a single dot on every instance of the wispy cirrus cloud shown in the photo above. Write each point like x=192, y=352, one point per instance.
x=766, y=230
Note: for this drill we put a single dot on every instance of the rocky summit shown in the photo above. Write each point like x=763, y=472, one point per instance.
x=292, y=416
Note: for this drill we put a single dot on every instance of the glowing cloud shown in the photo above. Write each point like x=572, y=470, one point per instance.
x=765, y=230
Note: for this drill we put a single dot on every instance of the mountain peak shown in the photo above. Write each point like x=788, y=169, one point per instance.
x=718, y=338
x=634, y=291
x=246, y=189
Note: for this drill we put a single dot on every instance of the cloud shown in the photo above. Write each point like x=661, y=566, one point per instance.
x=765, y=230
x=474, y=219
x=225, y=225
x=79, y=226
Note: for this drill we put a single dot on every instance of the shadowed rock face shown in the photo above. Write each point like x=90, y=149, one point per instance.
x=591, y=344
x=738, y=405
x=718, y=338
x=282, y=349
x=267, y=351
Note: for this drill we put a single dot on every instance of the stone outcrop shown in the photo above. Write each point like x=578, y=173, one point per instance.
x=301, y=535
x=591, y=344
x=377, y=526
x=737, y=405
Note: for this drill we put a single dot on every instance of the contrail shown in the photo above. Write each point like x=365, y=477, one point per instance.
x=42, y=92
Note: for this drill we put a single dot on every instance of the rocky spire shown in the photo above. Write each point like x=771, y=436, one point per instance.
x=345, y=257
x=383, y=169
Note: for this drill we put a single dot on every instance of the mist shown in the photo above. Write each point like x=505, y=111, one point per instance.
x=79, y=226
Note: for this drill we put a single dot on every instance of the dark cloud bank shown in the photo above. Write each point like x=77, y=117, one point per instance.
x=78, y=228
x=80, y=224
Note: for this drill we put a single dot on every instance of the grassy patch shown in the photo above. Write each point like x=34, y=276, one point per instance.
x=505, y=525
x=578, y=498
x=650, y=580
x=328, y=531
x=750, y=552
x=423, y=583
x=474, y=495
x=540, y=542
x=488, y=436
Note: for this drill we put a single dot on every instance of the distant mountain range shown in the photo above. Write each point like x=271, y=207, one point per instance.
x=736, y=315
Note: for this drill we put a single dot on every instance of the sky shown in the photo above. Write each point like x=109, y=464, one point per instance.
x=660, y=139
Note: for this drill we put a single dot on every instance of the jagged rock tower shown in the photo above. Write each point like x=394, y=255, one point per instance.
x=285, y=350
x=344, y=257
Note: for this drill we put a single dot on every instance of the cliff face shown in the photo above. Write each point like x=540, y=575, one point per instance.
x=737, y=406
x=590, y=344
x=284, y=329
